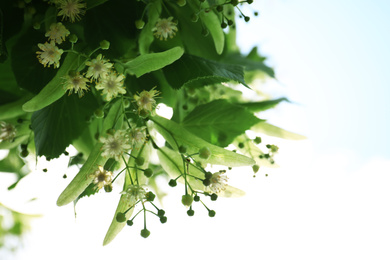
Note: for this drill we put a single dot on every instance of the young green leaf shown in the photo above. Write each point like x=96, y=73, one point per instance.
x=146, y=37
x=193, y=71
x=81, y=181
x=272, y=130
x=213, y=24
x=14, y=109
x=219, y=122
x=146, y=63
x=177, y=135
x=54, y=89
x=262, y=105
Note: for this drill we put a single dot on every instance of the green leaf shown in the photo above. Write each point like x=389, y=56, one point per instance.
x=146, y=37
x=219, y=122
x=177, y=135
x=92, y=189
x=9, y=89
x=12, y=163
x=252, y=62
x=93, y=3
x=112, y=21
x=83, y=178
x=54, y=90
x=29, y=73
x=14, y=109
x=193, y=71
x=56, y=126
x=213, y=24
x=262, y=105
x=146, y=63
x=272, y=130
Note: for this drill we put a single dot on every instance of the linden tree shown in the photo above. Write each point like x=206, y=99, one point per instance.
x=91, y=74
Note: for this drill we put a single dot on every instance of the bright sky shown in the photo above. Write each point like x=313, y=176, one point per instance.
x=330, y=198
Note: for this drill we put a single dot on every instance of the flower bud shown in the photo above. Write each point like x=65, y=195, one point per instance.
x=105, y=45
x=187, y=200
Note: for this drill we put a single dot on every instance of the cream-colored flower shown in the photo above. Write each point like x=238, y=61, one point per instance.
x=112, y=85
x=101, y=177
x=50, y=54
x=7, y=131
x=76, y=82
x=98, y=68
x=57, y=33
x=71, y=9
x=218, y=181
x=145, y=100
x=165, y=28
x=134, y=193
x=115, y=145
x=137, y=136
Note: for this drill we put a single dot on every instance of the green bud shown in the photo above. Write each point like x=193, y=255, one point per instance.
x=105, y=45
x=247, y=18
x=219, y=8
x=255, y=168
x=126, y=103
x=150, y=196
x=108, y=188
x=211, y=213
x=234, y=2
x=24, y=153
x=196, y=198
x=241, y=145
x=257, y=140
x=214, y=197
x=37, y=26
x=208, y=175
x=129, y=222
x=120, y=217
x=160, y=212
x=73, y=38
x=145, y=233
x=172, y=183
x=249, y=1
x=139, y=24
x=183, y=149
x=140, y=161
x=204, y=153
x=206, y=182
x=181, y=2
x=194, y=17
x=148, y=172
x=205, y=32
x=187, y=200
x=163, y=219
x=190, y=212
x=99, y=113
x=223, y=25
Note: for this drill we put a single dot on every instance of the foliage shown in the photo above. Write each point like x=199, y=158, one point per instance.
x=90, y=74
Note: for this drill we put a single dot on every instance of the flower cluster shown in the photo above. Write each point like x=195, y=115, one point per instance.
x=165, y=28
x=7, y=131
x=71, y=9
x=114, y=145
x=133, y=194
x=101, y=177
x=146, y=102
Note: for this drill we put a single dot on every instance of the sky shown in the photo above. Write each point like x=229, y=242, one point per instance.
x=328, y=200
